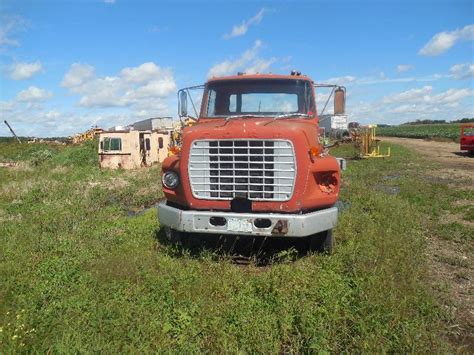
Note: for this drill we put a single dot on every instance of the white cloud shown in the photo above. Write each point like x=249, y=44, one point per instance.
x=409, y=95
x=101, y=92
x=155, y=88
x=381, y=78
x=443, y=41
x=33, y=94
x=77, y=75
x=134, y=93
x=22, y=71
x=424, y=95
x=413, y=104
x=35, y=121
x=260, y=65
x=10, y=25
x=54, y=122
x=143, y=73
x=409, y=108
x=403, y=68
x=49, y=123
x=131, y=87
x=240, y=30
x=462, y=71
x=52, y=115
x=248, y=62
x=340, y=80
x=451, y=96
x=7, y=106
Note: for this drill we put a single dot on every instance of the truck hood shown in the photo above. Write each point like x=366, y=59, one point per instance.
x=311, y=172
x=255, y=128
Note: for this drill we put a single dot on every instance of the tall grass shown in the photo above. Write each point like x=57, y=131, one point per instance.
x=80, y=275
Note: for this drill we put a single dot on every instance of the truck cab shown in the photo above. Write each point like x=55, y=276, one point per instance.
x=466, y=138
x=253, y=164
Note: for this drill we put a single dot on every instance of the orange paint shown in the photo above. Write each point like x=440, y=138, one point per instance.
x=317, y=176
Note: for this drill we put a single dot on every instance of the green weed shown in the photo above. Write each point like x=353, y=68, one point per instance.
x=86, y=277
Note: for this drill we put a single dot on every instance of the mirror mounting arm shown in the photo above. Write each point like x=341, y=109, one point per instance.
x=183, y=101
x=336, y=89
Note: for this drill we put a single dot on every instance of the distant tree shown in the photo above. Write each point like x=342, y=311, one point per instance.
x=418, y=122
x=464, y=120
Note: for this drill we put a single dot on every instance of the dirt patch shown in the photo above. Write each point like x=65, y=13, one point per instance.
x=61, y=169
x=451, y=263
x=390, y=190
x=462, y=203
x=456, y=176
x=22, y=166
x=446, y=153
x=451, y=275
x=8, y=165
x=457, y=218
x=115, y=183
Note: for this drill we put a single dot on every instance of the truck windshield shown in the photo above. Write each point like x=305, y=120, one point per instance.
x=468, y=131
x=259, y=97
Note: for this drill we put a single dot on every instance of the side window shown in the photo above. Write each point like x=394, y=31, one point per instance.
x=106, y=145
x=468, y=131
x=111, y=144
x=211, y=106
x=160, y=142
x=233, y=103
x=102, y=145
x=147, y=144
x=116, y=144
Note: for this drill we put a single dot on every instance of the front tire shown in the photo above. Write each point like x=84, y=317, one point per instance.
x=322, y=242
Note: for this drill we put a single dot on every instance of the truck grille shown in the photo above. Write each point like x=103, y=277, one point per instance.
x=253, y=169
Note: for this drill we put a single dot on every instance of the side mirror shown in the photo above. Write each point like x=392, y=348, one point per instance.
x=340, y=101
x=183, y=103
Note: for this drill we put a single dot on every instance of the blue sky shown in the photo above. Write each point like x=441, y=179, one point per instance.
x=68, y=65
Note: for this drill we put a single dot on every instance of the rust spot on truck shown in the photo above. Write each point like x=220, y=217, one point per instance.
x=281, y=227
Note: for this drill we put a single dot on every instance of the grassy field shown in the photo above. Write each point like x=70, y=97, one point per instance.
x=449, y=131
x=82, y=271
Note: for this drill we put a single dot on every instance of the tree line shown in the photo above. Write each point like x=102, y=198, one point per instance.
x=418, y=122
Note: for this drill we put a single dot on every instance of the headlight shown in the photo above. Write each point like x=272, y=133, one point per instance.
x=170, y=179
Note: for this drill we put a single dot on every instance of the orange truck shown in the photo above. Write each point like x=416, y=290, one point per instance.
x=254, y=163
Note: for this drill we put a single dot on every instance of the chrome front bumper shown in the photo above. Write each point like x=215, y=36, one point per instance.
x=269, y=224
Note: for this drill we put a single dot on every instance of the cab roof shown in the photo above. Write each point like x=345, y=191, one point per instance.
x=244, y=76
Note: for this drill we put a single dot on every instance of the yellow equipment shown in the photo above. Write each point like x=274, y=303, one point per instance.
x=177, y=136
x=369, y=144
x=87, y=135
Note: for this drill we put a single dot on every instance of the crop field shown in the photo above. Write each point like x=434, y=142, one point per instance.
x=449, y=131
x=83, y=265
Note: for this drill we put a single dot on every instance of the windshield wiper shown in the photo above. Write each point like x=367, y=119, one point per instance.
x=287, y=115
x=244, y=116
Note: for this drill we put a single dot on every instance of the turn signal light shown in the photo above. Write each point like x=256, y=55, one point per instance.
x=174, y=150
x=314, y=151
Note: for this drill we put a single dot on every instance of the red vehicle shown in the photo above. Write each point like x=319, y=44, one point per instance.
x=467, y=137
x=253, y=163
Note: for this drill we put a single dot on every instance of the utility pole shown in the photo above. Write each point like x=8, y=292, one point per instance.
x=13, y=132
